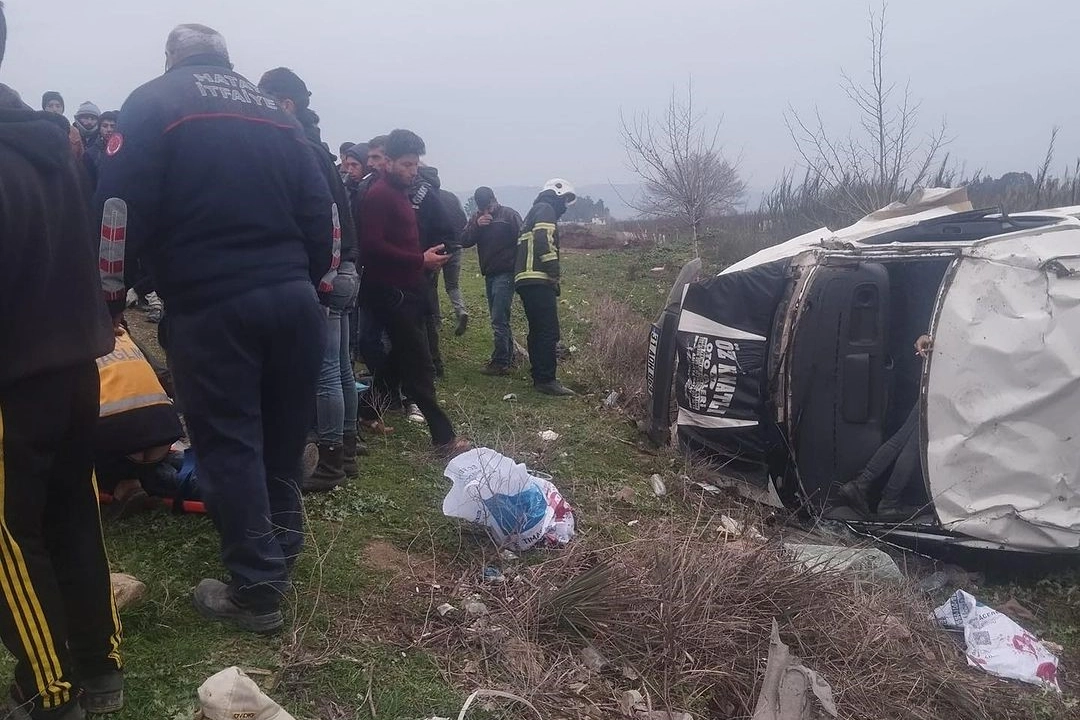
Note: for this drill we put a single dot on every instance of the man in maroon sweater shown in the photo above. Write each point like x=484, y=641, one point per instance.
x=394, y=286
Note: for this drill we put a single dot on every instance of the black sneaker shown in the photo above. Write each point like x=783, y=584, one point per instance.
x=213, y=602
x=494, y=370
x=462, y=325
x=103, y=694
x=554, y=388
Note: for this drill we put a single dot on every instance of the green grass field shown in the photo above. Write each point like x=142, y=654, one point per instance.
x=378, y=547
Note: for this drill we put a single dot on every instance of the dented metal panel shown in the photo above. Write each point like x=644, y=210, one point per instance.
x=1003, y=394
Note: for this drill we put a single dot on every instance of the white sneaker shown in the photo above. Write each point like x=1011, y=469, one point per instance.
x=413, y=414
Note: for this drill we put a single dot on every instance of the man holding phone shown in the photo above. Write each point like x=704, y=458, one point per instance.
x=494, y=230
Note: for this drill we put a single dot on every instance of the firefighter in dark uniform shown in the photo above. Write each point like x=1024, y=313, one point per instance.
x=211, y=187
x=536, y=279
x=57, y=616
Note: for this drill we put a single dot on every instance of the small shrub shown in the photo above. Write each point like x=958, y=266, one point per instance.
x=614, y=355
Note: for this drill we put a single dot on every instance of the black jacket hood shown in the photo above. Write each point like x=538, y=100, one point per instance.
x=430, y=175
x=41, y=137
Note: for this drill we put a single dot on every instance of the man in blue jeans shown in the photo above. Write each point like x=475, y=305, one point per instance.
x=336, y=398
x=494, y=230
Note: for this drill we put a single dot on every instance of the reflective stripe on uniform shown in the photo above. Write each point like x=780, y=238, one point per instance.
x=133, y=403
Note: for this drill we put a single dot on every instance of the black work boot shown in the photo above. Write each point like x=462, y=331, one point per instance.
x=462, y=325
x=103, y=694
x=213, y=601
x=554, y=388
x=352, y=447
x=330, y=471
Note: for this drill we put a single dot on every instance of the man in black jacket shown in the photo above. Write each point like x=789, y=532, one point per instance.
x=537, y=276
x=214, y=188
x=494, y=230
x=336, y=399
x=57, y=616
x=436, y=228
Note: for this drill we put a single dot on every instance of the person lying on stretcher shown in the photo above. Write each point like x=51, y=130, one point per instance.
x=137, y=425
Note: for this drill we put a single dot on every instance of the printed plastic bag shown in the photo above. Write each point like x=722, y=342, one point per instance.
x=997, y=644
x=519, y=508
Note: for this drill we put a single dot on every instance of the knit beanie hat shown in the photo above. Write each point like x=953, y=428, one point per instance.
x=483, y=197
x=284, y=83
x=88, y=108
x=49, y=96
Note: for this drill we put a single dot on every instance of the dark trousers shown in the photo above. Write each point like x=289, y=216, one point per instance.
x=901, y=453
x=433, y=320
x=542, y=311
x=245, y=371
x=57, y=615
x=402, y=314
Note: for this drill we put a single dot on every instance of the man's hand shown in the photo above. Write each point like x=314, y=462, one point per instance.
x=924, y=345
x=483, y=220
x=435, y=258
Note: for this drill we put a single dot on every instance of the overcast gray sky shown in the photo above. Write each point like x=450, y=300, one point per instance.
x=515, y=91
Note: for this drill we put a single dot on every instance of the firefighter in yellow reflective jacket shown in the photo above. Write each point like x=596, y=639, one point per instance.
x=536, y=279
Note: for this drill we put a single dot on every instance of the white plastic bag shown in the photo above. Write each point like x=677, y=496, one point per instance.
x=997, y=644
x=520, y=508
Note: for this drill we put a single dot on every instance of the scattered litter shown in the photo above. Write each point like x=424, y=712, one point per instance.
x=508, y=556
x=711, y=489
x=629, y=673
x=612, y=399
x=593, y=659
x=950, y=576
x=632, y=700
x=625, y=494
x=632, y=523
x=870, y=563
x=519, y=508
x=658, y=487
x=445, y=609
x=548, y=435
x=476, y=608
x=790, y=689
x=663, y=715
x=127, y=590
x=493, y=575
x=509, y=397
x=1014, y=609
x=495, y=693
x=890, y=627
x=934, y=582
x=730, y=527
x=659, y=270
x=996, y=644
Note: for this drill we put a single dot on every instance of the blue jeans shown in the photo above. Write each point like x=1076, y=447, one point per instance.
x=500, y=296
x=335, y=397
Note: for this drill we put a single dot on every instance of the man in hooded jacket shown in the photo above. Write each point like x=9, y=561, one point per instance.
x=57, y=616
x=336, y=398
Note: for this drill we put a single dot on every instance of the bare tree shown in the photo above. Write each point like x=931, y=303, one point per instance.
x=884, y=159
x=678, y=158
